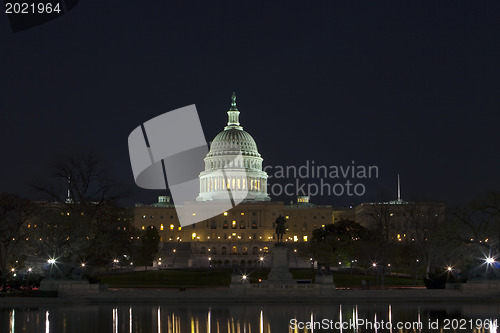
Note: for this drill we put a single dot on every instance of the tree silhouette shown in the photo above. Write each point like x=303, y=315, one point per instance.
x=149, y=245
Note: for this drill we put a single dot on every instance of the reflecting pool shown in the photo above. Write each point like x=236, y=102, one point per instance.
x=252, y=317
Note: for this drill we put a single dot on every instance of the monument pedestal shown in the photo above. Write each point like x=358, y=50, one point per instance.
x=70, y=287
x=326, y=284
x=280, y=270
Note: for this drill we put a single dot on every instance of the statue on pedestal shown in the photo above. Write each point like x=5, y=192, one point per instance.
x=280, y=228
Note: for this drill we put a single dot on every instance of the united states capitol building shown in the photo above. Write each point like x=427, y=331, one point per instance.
x=243, y=234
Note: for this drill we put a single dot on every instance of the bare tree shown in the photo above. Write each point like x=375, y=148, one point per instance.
x=379, y=219
x=490, y=206
x=425, y=223
x=81, y=208
x=15, y=216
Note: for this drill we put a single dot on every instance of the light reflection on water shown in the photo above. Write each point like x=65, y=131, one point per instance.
x=242, y=318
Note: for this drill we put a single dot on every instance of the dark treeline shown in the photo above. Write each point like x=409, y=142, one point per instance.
x=418, y=239
x=76, y=230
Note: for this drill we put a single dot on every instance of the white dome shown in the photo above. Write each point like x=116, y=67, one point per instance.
x=231, y=141
x=233, y=163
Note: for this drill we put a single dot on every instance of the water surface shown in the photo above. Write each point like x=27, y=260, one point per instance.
x=258, y=318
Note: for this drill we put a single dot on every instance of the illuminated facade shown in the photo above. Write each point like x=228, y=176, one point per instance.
x=246, y=231
x=247, y=222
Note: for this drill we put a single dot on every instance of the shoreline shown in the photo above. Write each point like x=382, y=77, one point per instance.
x=226, y=295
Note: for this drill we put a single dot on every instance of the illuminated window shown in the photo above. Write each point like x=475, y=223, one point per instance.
x=180, y=228
x=295, y=238
x=161, y=226
x=143, y=228
x=225, y=213
x=193, y=235
x=305, y=238
x=171, y=227
x=242, y=213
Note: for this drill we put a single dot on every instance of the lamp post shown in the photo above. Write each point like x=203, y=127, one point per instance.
x=490, y=262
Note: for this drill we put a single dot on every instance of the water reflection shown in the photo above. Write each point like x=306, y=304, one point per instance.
x=250, y=318
x=12, y=322
x=47, y=322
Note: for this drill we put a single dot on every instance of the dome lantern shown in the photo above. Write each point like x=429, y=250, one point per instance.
x=233, y=115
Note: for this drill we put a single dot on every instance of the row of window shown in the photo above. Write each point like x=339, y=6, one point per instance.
x=234, y=250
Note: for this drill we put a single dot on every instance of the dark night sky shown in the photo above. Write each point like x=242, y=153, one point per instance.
x=412, y=87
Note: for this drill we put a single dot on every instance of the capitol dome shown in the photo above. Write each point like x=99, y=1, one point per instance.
x=233, y=164
x=233, y=140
